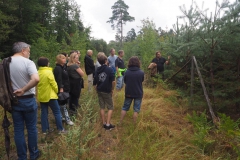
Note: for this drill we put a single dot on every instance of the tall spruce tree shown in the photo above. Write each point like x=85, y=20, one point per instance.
x=119, y=17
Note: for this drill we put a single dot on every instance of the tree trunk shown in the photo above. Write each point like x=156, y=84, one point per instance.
x=121, y=30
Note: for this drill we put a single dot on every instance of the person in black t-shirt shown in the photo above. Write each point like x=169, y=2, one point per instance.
x=120, y=69
x=104, y=81
x=160, y=61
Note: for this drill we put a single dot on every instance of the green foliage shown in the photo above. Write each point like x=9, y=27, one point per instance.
x=55, y=25
x=231, y=132
x=99, y=45
x=201, y=131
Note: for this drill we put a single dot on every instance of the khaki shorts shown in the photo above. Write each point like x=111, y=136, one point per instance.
x=105, y=100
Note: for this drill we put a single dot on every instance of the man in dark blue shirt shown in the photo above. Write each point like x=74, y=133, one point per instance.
x=160, y=61
x=104, y=81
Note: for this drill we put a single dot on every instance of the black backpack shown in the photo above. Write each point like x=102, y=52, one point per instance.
x=6, y=98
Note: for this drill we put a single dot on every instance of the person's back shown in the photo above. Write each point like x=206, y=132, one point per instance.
x=21, y=70
x=104, y=79
x=24, y=78
x=133, y=80
x=47, y=85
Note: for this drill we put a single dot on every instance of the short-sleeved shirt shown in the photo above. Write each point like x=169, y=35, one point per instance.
x=160, y=63
x=72, y=73
x=119, y=63
x=21, y=69
x=111, y=61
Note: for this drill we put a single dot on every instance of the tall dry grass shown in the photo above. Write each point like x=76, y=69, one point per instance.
x=162, y=131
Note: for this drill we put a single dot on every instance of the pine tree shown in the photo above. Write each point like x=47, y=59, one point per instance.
x=120, y=16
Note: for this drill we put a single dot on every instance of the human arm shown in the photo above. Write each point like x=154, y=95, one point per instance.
x=80, y=72
x=58, y=77
x=117, y=69
x=113, y=80
x=32, y=83
x=52, y=82
x=168, y=61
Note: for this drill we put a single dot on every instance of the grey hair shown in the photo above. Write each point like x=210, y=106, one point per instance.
x=18, y=46
x=89, y=51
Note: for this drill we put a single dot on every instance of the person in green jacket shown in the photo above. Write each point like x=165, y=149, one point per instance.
x=47, y=96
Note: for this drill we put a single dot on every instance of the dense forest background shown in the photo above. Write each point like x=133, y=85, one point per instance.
x=52, y=27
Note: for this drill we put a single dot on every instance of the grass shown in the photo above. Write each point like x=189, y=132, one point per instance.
x=162, y=132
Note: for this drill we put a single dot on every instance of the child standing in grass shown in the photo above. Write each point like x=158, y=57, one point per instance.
x=133, y=79
x=104, y=80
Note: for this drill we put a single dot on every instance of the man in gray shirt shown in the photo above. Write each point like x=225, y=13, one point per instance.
x=24, y=77
x=111, y=60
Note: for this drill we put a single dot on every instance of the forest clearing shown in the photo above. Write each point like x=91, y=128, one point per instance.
x=176, y=119
x=162, y=131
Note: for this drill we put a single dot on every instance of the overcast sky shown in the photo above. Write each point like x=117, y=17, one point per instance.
x=95, y=13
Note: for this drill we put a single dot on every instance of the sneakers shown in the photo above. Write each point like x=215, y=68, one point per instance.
x=63, y=131
x=70, y=122
x=110, y=127
x=49, y=131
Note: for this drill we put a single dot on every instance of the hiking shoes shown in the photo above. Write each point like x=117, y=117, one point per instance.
x=110, y=127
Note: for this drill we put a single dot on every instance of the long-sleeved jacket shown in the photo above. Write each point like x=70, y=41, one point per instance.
x=47, y=86
x=61, y=77
x=89, y=65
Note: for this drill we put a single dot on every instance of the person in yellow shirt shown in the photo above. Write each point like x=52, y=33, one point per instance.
x=47, y=96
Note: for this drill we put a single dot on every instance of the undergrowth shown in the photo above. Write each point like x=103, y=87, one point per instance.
x=163, y=131
x=221, y=141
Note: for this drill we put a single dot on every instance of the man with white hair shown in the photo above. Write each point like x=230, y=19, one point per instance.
x=89, y=68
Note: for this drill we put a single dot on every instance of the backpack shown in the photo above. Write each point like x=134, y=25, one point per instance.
x=6, y=98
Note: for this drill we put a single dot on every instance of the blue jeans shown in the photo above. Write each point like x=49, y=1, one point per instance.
x=53, y=104
x=25, y=113
x=119, y=83
x=136, y=105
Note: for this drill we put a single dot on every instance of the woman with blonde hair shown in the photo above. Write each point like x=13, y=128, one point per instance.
x=61, y=77
x=75, y=75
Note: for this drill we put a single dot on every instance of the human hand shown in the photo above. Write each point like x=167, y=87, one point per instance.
x=19, y=92
x=61, y=90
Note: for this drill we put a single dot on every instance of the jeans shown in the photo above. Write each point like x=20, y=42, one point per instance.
x=25, y=113
x=64, y=112
x=53, y=104
x=136, y=105
x=119, y=83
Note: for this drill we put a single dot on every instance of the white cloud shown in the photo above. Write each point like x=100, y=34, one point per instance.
x=164, y=14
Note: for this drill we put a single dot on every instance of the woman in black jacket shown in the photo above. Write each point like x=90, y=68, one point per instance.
x=61, y=77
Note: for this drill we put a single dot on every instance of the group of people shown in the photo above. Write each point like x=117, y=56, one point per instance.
x=66, y=79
